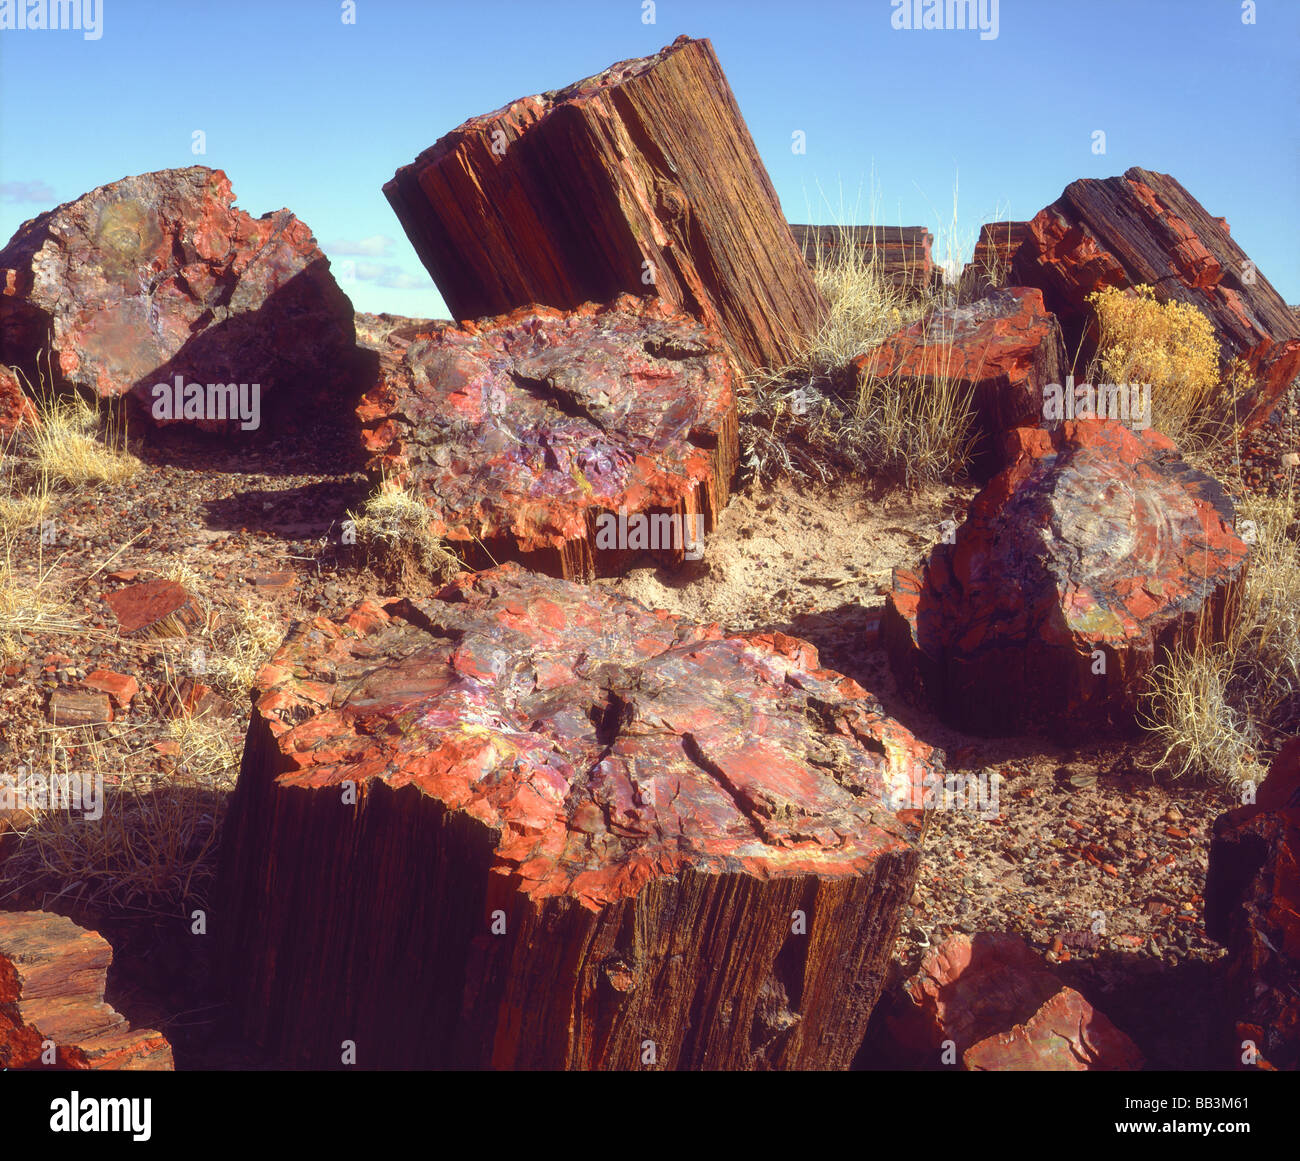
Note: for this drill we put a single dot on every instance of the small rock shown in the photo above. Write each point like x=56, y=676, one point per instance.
x=119, y=686
x=71, y=707
x=285, y=579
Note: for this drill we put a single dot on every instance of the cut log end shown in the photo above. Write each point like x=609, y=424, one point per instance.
x=573, y=442
x=546, y=826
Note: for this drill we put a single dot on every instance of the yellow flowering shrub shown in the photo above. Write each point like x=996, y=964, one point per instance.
x=1170, y=345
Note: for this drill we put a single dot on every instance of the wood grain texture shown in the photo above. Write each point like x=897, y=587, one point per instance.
x=902, y=254
x=52, y=979
x=1145, y=228
x=646, y=170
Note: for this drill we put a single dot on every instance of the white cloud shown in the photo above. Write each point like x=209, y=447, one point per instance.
x=386, y=274
x=27, y=191
x=376, y=246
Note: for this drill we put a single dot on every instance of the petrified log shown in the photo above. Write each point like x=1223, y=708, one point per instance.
x=156, y=608
x=990, y=265
x=532, y=824
x=901, y=254
x=1145, y=228
x=642, y=176
x=1252, y=905
x=1095, y=551
x=571, y=441
x=1003, y=350
x=989, y=1004
x=52, y=1010
x=158, y=276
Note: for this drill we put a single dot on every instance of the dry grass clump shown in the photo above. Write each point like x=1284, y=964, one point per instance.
x=1171, y=346
x=814, y=419
x=245, y=638
x=125, y=841
x=1220, y=709
x=75, y=444
x=392, y=536
x=30, y=604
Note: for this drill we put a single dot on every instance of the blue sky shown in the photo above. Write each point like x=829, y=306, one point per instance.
x=306, y=111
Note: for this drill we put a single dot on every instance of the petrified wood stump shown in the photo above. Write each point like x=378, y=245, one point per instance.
x=1079, y=565
x=570, y=441
x=52, y=1010
x=531, y=824
x=642, y=178
x=1145, y=228
x=990, y=265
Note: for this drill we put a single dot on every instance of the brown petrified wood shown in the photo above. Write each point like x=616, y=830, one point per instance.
x=532, y=824
x=1079, y=565
x=1252, y=905
x=899, y=254
x=1145, y=228
x=1000, y=352
x=52, y=1010
x=569, y=440
x=79, y=707
x=640, y=179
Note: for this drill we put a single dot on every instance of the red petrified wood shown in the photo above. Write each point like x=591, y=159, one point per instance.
x=641, y=179
x=989, y=1004
x=1145, y=228
x=52, y=1010
x=531, y=824
x=15, y=407
x=568, y=440
x=1252, y=904
x=156, y=608
x=158, y=276
x=1078, y=565
x=1003, y=350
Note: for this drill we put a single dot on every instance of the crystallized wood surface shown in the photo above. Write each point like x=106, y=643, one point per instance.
x=579, y=825
x=572, y=441
x=1095, y=551
x=157, y=276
